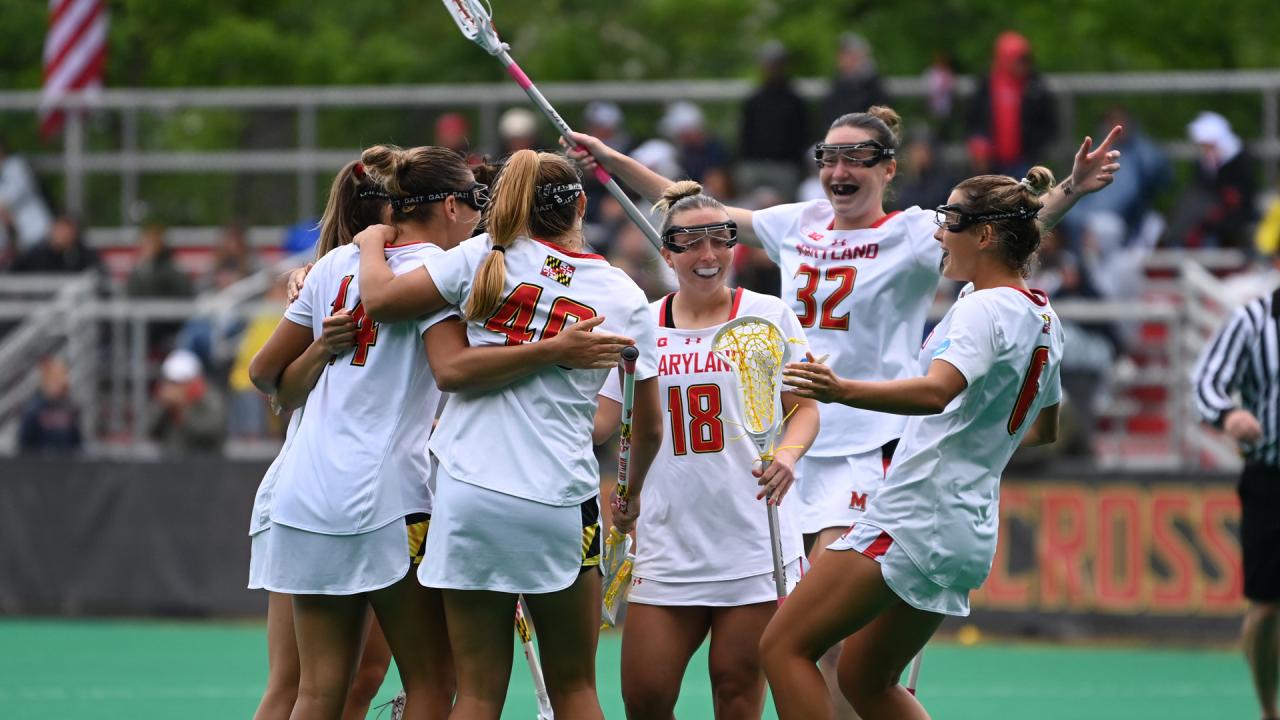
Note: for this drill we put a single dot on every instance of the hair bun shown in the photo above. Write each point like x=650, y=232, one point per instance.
x=889, y=117
x=676, y=192
x=1039, y=180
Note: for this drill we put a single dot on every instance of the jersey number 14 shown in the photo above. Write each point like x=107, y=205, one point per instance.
x=366, y=328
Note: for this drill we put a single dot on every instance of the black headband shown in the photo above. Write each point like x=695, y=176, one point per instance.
x=373, y=193
x=556, y=195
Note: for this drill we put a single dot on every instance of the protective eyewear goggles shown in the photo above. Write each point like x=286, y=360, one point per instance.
x=956, y=219
x=682, y=238
x=863, y=154
x=476, y=195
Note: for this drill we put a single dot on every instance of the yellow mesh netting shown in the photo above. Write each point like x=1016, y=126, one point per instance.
x=756, y=350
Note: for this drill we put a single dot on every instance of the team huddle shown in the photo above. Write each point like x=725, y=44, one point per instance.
x=882, y=484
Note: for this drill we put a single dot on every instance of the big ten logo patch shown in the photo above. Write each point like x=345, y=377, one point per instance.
x=558, y=270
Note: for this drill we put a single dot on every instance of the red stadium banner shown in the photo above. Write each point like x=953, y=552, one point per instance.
x=1091, y=552
x=75, y=56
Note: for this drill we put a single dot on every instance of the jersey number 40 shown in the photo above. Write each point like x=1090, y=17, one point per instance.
x=514, y=317
x=366, y=328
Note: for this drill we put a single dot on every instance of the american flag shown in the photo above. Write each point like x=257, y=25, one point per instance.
x=75, y=55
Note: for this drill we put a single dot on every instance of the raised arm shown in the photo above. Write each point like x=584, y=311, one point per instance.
x=641, y=179
x=1091, y=171
x=458, y=367
x=926, y=395
x=388, y=297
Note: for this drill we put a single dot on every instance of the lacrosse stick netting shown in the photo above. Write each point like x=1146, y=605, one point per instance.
x=755, y=349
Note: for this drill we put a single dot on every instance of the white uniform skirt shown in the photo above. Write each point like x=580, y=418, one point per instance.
x=715, y=593
x=482, y=539
x=833, y=491
x=297, y=562
x=901, y=574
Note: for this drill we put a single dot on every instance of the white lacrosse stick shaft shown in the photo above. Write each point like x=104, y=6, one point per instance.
x=474, y=21
x=913, y=676
x=525, y=629
x=775, y=535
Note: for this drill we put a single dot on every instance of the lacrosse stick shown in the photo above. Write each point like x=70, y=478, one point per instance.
x=913, y=677
x=755, y=349
x=474, y=19
x=525, y=630
x=618, y=559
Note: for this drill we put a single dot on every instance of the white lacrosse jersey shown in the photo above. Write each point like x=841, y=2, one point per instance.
x=358, y=459
x=701, y=520
x=260, y=519
x=862, y=296
x=532, y=438
x=940, y=500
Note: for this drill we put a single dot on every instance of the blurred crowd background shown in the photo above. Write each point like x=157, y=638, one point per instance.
x=163, y=280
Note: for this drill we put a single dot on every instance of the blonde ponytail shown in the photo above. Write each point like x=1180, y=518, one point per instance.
x=508, y=217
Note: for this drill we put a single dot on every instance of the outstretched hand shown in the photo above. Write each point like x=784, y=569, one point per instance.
x=578, y=347
x=585, y=151
x=813, y=379
x=1095, y=169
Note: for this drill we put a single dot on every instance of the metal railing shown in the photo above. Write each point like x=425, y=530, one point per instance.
x=112, y=378
x=306, y=160
x=49, y=318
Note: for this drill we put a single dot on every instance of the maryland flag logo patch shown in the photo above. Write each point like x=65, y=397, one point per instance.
x=558, y=270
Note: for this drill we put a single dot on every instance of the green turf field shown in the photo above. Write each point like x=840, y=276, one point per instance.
x=153, y=670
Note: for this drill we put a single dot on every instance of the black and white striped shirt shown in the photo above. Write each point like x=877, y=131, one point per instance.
x=1245, y=356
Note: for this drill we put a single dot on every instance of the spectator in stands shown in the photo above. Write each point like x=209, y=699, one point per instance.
x=1132, y=196
x=1087, y=363
x=51, y=420
x=1217, y=210
x=704, y=157
x=940, y=93
x=1013, y=113
x=857, y=84
x=775, y=128
x=752, y=268
x=189, y=415
x=604, y=120
x=249, y=416
x=155, y=274
x=452, y=131
x=24, y=214
x=922, y=179
x=64, y=250
x=518, y=129
x=233, y=258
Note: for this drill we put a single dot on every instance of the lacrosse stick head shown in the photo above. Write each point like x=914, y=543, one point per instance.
x=755, y=349
x=475, y=19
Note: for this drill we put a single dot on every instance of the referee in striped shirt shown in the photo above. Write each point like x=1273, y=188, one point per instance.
x=1245, y=356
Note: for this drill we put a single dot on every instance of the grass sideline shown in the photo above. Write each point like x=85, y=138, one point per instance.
x=146, y=670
